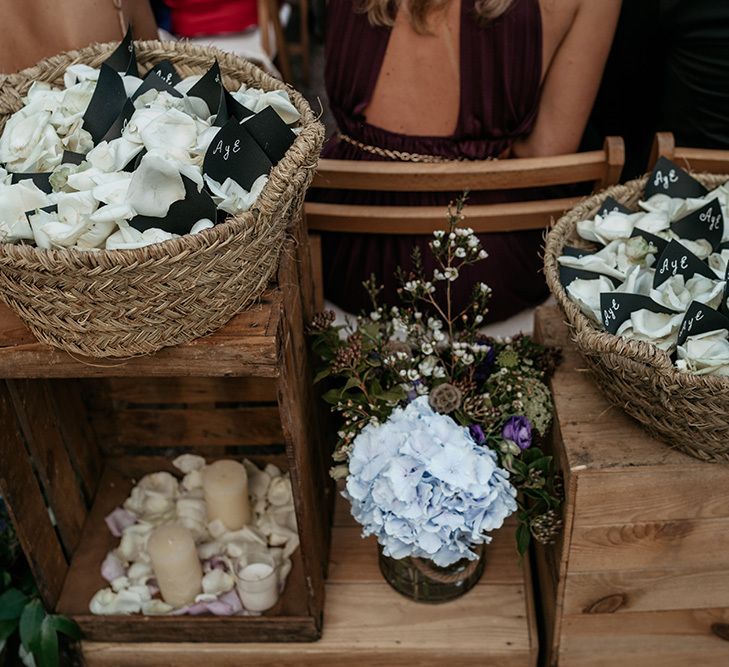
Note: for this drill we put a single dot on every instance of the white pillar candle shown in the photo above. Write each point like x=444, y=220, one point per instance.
x=176, y=564
x=226, y=493
x=258, y=586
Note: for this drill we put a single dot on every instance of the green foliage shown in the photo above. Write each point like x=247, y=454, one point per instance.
x=21, y=612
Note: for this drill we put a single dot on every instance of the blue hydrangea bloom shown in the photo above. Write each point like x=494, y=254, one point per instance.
x=422, y=485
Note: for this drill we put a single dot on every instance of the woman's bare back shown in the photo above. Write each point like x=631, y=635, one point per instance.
x=36, y=29
x=418, y=87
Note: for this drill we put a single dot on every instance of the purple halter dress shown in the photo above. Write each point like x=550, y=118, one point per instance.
x=501, y=66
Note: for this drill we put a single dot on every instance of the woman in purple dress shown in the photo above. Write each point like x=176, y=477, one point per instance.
x=456, y=79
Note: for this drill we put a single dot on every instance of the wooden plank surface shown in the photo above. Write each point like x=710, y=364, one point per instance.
x=39, y=420
x=191, y=390
x=196, y=427
x=246, y=346
x=660, y=588
x=23, y=497
x=367, y=624
x=652, y=639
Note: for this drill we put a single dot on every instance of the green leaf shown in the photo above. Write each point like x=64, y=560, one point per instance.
x=12, y=602
x=5, y=580
x=7, y=628
x=47, y=652
x=523, y=537
x=66, y=626
x=321, y=375
x=333, y=396
x=30, y=624
x=352, y=382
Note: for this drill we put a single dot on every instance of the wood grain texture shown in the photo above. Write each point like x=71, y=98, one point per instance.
x=195, y=427
x=23, y=497
x=663, y=639
x=246, y=346
x=483, y=218
x=659, y=588
x=75, y=426
x=40, y=424
x=367, y=624
x=468, y=175
x=191, y=390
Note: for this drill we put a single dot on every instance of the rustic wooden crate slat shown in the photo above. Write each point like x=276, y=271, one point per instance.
x=640, y=572
x=246, y=346
x=663, y=639
x=24, y=500
x=77, y=433
x=192, y=390
x=237, y=393
x=39, y=421
x=370, y=625
x=196, y=427
x=657, y=588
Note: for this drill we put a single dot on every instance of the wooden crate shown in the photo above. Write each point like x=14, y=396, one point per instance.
x=370, y=625
x=641, y=575
x=76, y=432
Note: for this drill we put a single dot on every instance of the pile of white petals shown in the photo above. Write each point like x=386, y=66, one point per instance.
x=96, y=199
x=161, y=498
x=627, y=264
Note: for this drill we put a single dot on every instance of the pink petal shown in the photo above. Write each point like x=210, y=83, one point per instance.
x=232, y=600
x=112, y=568
x=118, y=520
x=153, y=590
x=219, y=608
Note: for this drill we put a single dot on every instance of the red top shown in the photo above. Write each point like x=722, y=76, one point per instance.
x=195, y=18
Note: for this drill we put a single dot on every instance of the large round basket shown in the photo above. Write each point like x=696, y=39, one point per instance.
x=689, y=412
x=122, y=303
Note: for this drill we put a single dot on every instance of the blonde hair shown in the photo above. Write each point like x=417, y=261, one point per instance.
x=381, y=12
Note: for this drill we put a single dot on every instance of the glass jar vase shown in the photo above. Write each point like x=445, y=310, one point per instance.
x=423, y=581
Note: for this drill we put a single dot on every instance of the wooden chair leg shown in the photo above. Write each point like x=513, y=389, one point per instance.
x=282, y=49
x=614, y=148
x=664, y=145
x=304, y=37
x=317, y=270
x=264, y=24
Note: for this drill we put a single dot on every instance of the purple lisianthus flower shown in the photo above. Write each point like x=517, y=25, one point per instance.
x=477, y=434
x=519, y=430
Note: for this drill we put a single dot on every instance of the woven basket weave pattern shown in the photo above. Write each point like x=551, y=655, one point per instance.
x=689, y=412
x=122, y=303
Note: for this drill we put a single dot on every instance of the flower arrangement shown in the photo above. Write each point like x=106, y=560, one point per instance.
x=440, y=425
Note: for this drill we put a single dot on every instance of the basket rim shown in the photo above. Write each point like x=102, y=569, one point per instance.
x=597, y=342
x=208, y=239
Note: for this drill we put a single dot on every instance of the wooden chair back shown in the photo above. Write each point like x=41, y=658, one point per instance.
x=601, y=167
x=696, y=159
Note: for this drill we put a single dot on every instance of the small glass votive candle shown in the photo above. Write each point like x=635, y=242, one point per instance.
x=258, y=582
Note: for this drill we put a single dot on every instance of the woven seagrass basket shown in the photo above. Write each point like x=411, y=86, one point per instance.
x=122, y=303
x=689, y=412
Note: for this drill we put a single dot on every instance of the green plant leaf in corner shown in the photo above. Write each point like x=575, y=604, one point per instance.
x=66, y=626
x=523, y=537
x=47, y=653
x=7, y=628
x=30, y=625
x=12, y=602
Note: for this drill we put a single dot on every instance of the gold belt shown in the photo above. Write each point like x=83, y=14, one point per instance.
x=402, y=156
